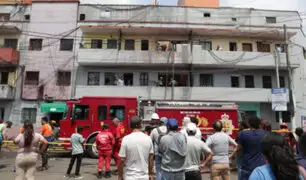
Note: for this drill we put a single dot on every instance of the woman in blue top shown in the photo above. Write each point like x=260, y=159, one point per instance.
x=281, y=162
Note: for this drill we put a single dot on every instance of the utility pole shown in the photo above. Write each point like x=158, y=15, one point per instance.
x=291, y=103
x=277, y=60
x=172, y=80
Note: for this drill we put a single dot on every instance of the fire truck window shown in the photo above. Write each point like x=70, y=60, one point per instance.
x=117, y=111
x=102, y=111
x=81, y=112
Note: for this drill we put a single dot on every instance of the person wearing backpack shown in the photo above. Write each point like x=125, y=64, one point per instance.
x=156, y=135
x=104, y=141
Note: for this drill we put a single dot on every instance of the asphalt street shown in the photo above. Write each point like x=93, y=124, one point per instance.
x=58, y=167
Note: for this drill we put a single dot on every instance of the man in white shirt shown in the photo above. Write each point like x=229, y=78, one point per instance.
x=136, y=154
x=186, y=121
x=156, y=135
x=195, y=149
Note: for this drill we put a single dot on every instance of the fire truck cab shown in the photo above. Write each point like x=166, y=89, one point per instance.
x=91, y=113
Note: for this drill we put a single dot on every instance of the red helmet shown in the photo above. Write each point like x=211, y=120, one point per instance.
x=284, y=125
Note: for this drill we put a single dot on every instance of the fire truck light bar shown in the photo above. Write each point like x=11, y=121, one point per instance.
x=188, y=105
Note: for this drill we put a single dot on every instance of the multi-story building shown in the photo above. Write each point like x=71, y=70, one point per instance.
x=213, y=54
x=47, y=29
x=13, y=19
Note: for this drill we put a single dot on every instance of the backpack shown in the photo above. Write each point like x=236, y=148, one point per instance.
x=160, y=135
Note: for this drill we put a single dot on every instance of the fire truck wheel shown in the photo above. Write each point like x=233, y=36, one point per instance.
x=92, y=151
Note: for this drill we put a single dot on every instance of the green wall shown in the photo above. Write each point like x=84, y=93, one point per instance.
x=250, y=107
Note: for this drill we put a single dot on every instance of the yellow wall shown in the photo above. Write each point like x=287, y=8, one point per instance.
x=223, y=42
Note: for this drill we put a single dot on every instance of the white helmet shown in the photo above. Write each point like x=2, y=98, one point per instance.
x=186, y=121
x=154, y=116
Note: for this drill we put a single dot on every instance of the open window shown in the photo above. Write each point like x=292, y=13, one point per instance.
x=80, y=112
x=117, y=111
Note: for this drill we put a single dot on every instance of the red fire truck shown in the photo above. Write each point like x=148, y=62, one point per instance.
x=92, y=112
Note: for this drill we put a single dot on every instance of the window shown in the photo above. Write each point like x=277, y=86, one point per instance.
x=271, y=20
x=280, y=47
x=235, y=81
x=35, y=44
x=32, y=78
x=112, y=44
x=82, y=17
x=233, y=46
x=129, y=44
x=144, y=45
x=282, y=82
x=118, y=112
x=245, y=115
x=2, y=110
x=93, y=79
x=96, y=44
x=286, y=116
x=4, y=16
x=263, y=47
x=249, y=81
x=206, y=45
x=102, y=113
x=267, y=82
x=81, y=112
x=144, y=79
x=29, y=114
x=248, y=47
x=165, y=79
x=4, y=77
x=207, y=15
x=234, y=19
x=66, y=45
x=128, y=79
x=63, y=78
x=27, y=17
x=206, y=80
x=110, y=79
x=11, y=43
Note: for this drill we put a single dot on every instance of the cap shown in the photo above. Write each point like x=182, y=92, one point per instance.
x=164, y=120
x=191, y=127
x=154, y=116
x=172, y=122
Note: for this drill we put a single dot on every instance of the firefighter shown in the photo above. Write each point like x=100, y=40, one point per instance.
x=118, y=134
x=284, y=131
x=105, y=141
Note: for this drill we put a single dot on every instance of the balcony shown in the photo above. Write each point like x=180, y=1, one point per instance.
x=7, y=92
x=180, y=93
x=9, y=56
x=183, y=56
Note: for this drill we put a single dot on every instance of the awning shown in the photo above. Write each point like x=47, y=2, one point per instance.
x=53, y=107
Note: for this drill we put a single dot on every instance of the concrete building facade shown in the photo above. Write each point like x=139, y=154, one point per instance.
x=152, y=52
x=214, y=54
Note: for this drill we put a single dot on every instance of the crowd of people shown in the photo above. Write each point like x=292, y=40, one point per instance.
x=170, y=153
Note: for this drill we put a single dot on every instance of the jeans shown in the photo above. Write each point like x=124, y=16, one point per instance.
x=158, y=167
x=26, y=165
x=172, y=175
x=193, y=175
x=78, y=164
x=44, y=157
x=104, y=156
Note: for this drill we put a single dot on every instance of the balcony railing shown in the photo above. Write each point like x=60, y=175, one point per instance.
x=6, y=92
x=183, y=56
